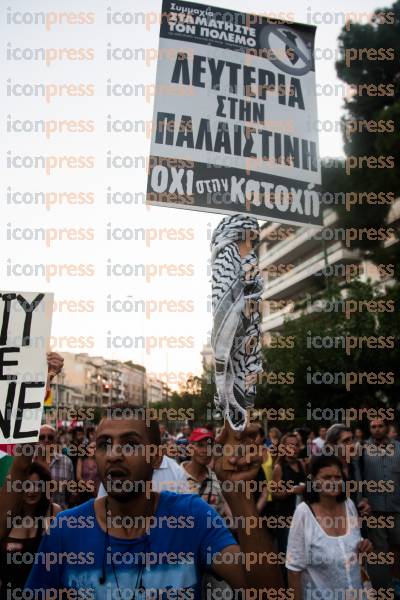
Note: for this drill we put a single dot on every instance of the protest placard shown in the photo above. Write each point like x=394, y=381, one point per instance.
x=25, y=321
x=234, y=106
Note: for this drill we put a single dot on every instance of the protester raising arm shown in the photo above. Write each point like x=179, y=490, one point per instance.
x=126, y=447
x=258, y=568
x=26, y=510
x=10, y=498
x=55, y=363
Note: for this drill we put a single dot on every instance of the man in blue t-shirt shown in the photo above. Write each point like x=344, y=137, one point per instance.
x=136, y=543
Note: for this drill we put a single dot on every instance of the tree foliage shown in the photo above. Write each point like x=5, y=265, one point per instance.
x=320, y=346
x=196, y=393
x=370, y=128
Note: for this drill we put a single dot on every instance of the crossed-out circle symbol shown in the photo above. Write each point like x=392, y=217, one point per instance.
x=265, y=34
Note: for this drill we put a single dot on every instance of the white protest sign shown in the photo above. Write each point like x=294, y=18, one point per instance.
x=234, y=106
x=25, y=321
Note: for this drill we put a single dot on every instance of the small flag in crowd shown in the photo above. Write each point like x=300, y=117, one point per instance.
x=5, y=461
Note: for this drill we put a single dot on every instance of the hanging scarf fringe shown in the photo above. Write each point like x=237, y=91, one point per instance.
x=236, y=294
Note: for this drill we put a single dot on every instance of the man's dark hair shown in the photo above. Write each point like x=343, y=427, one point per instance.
x=315, y=465
x=386, y=422
x=124, y=410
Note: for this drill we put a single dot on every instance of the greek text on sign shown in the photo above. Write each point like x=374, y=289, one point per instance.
x=235, y=96
x=25, y=321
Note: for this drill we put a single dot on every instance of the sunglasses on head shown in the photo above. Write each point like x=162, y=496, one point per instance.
x=46, y=437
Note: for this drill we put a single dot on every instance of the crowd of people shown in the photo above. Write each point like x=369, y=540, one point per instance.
x=142, y=512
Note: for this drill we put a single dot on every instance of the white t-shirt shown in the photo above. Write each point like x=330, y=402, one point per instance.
x=316, y=445
x=319, y=442
x=327, y=563
x=169, y=476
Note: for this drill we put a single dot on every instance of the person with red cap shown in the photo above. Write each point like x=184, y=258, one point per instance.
x=201, y=479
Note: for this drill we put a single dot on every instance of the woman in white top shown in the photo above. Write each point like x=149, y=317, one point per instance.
x=325, y=544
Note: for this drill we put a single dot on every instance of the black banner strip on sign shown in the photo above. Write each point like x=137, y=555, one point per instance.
x=240, y=32
x=223, y=189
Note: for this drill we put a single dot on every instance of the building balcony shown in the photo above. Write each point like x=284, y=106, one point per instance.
x=303, y=241
x=298, y=279
x=275, y=320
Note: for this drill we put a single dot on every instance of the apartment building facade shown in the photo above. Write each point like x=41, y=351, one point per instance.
x=298, y=262
x=99, y=382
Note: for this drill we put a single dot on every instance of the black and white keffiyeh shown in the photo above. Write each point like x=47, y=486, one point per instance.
x=236, y=294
